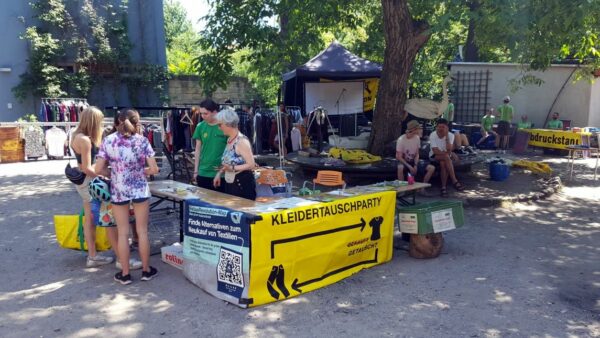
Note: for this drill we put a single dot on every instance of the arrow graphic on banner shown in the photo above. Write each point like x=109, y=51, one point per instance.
x=360, y=225
x=296, y=286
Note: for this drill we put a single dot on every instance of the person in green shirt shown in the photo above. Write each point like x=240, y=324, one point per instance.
x=524, y=124
x=487, y=127
x=507, y=113
x=448, y=114
x=210, y=143
x=555, y=123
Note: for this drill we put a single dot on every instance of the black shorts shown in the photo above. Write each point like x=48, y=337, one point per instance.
x=135, y=200
x=504, y=128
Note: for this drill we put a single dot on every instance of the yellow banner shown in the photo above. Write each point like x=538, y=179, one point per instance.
x=370, y=94
x=371, y=85
x=298, y=250
x=557, y=139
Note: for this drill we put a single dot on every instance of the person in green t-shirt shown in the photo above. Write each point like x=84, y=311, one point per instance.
x=448, y=114
x=555, y=123
x=524, y=124
x=210, y=143
x=487, y=127
x=507, y=113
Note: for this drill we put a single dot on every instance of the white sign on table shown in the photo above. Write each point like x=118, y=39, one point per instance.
x=409, y=223
x=442, y=220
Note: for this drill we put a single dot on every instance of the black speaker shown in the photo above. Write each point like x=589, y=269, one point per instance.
x=348, y=125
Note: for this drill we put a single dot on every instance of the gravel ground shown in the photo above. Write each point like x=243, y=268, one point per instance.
x=527, y=270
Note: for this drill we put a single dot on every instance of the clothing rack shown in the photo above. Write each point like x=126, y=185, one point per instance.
x=66, y=124
x=65, y=98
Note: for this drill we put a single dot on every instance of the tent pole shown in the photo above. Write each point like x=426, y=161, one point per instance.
x=280, y=142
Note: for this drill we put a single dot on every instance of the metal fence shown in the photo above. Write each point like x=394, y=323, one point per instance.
x=471, y=95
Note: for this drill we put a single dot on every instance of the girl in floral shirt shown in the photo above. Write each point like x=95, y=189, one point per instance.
x=127, y=153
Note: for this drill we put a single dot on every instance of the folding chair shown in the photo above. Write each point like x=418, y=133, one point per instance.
x=329, y=178
x=181, y=164
x=170, y=158
x=272, y=182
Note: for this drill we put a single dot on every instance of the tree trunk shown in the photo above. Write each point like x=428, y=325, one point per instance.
x=471, y=49
x=404, y=37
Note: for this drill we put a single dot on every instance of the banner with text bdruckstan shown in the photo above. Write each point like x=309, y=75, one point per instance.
x=557, y=139
x=298, y=250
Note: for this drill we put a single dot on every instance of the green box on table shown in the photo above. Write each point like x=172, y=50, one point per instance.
x=431, y=217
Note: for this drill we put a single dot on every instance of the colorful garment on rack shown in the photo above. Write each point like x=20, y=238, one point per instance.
x=34, y=142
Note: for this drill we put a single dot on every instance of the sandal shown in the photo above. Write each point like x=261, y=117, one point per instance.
x=458, y=186
x=444, y=192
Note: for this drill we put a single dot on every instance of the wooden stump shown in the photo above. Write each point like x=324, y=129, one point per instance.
x=425, y=246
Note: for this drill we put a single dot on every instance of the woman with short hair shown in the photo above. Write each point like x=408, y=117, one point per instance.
x=237, y=162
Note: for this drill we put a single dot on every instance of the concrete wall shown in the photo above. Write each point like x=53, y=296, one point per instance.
x=15, y=16
x=146, y=32
x=184, y=89
x=577, y=102
x=594, y=119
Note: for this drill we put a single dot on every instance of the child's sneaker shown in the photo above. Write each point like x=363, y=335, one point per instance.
x=98, y=260
x=125, y=280
x=134, y=264
x=148, y=275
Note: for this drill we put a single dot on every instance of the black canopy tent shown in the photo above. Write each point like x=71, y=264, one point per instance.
x=333, y=63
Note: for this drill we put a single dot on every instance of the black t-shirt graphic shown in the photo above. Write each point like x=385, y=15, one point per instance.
x=375, y=224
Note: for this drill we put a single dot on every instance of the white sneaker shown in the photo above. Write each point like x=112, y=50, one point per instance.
x=134, y=264
x=98, y=260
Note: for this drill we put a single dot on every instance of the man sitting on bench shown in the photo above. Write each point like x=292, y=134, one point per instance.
x=407, y=154
x=441, y=143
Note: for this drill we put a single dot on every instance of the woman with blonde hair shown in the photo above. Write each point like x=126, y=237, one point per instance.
x=128, y=152
x=85, y=143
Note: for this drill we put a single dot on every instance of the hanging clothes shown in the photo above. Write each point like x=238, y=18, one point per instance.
x=257, y=132
x=42, y=117
x=56, y=139
x=296, y=139
x=34, y=142
x=178, y=130
x=70, y=135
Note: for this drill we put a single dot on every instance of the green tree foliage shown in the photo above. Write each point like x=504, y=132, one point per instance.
x=538, y=33
x=176, y=22
x=264, y=38
x=278, y=35
x=180, y=39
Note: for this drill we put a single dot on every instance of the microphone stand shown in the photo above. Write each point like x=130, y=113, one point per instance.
x=337, y=102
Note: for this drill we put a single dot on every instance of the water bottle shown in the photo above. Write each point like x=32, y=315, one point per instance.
x=410, y=179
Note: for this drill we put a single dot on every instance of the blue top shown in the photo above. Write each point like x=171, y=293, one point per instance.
x=230, y=156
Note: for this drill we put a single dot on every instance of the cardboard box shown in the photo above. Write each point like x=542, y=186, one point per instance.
x=173, y=255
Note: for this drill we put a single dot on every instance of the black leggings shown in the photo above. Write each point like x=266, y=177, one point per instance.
x=243, y=186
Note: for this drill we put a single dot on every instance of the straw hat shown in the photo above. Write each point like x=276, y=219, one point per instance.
x=412, y=125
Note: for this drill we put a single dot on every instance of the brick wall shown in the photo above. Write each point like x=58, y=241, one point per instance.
x=184, y=89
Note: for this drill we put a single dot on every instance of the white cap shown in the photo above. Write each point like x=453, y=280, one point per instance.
x=506, y=98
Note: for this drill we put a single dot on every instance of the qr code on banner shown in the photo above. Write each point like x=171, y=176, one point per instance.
x=229, y=269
